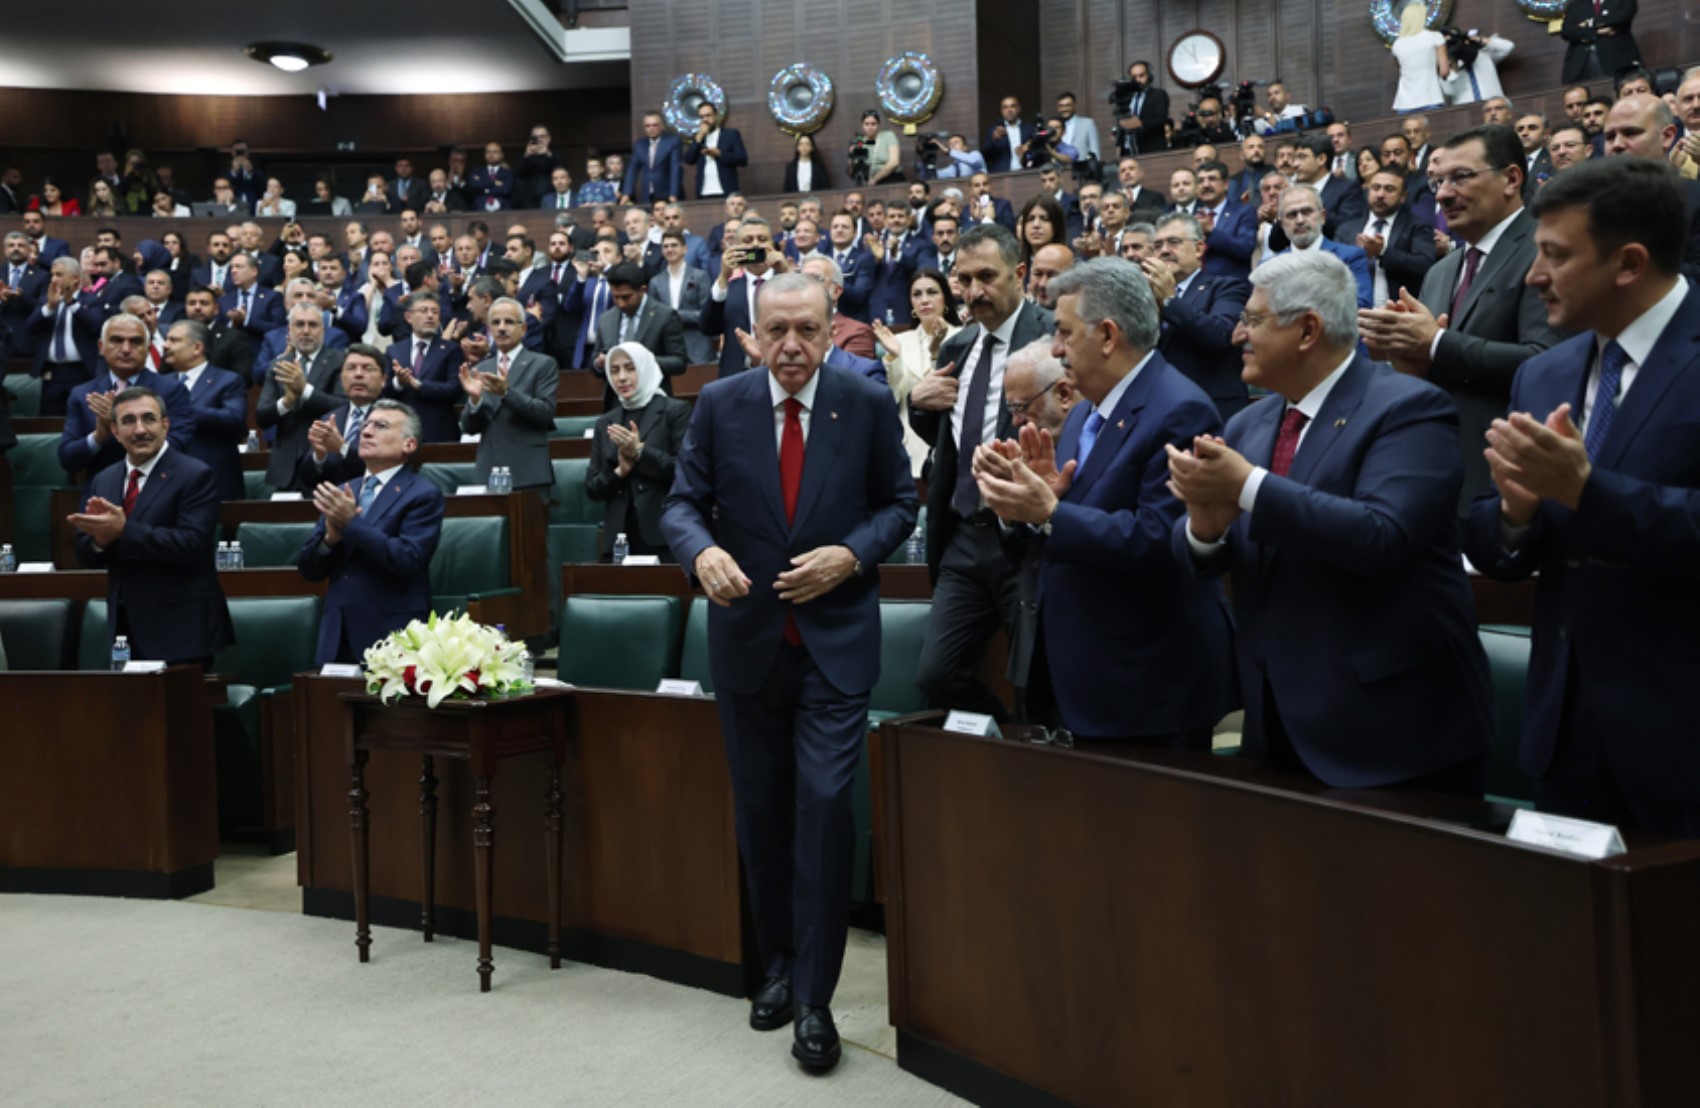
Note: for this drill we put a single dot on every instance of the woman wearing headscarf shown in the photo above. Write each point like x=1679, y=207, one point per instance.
x=632, y=452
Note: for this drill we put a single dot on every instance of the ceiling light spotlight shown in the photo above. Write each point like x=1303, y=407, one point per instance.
x=291, y=57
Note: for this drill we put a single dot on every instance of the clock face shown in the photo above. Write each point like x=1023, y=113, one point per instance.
x=1196, y=59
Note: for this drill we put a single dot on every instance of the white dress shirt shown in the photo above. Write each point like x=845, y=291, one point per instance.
x=994, y=387
x=805, y=396
x=711, y=167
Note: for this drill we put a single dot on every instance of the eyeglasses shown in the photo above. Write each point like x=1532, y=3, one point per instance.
x=1251, y=321
x=1019, y=407
x=1458, y=178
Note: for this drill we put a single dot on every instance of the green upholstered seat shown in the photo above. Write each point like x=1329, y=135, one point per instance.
x=449, y=476
x=24, y=394
x=94, y=649
x=619, y=642
x=272, y=544
x=36, y=633
x=567, y=500
x=903, y=626
x=693, y=659
x=572, y=426
x=35, y=474
x=1508, y=665
x=471, y=561
x=254, y=485
x=35, y=462
x=568, y=542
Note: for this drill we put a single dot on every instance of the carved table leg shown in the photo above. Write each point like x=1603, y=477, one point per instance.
x=428, y=851
x=552, y=851
x=483, y=841
x=357, y=828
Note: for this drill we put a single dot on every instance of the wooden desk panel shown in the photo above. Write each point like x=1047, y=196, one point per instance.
x=463, y=453
x=90, y=584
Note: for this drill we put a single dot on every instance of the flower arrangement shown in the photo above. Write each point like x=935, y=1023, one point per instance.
x=447, y=657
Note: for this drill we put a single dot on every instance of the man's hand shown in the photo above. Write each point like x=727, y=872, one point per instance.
x=936, y=392
x=875, y=245
x=236, y=316
x=293, y=379
x=1089, y=245
x=1533, y=461
x=601, y=362
x=1020, y=497
x=325, y=300
x=720, y=577
x=1161, y=279
x=404, y=376
x=100, y=406
x=101, y=520
x=815, y=573
x=730, y=259
x=338, y=506
x=752, y=350
x=1371, y=245
x=1402, y=332
x=475, y=348
x=471, y=383
x=455, y=329
x=1442, y=243
x=324, y=438
x=1268, y=213
x=1038, y=452
x=1208, y=480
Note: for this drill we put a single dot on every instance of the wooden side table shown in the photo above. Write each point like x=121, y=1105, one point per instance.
x=483, y=732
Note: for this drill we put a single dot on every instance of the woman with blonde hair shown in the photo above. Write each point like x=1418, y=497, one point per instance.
x=1423, y=64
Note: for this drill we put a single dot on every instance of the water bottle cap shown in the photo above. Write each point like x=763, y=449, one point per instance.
x=621, y=537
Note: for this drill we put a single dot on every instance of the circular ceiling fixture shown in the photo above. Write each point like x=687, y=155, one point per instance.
x=291, y=57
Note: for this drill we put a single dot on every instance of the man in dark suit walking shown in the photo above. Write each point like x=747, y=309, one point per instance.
x=1475, y=322
x=1332, y=506
x=717, y=151
x=657, y=171
x=1199, y=313
x=149, y=522
x=954, y=409
x=1597, y=493
x=792, y=487
x=220, y=400
x=1399, y=246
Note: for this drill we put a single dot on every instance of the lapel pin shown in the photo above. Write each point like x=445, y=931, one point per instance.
x=834, y=415
x=1339, y=423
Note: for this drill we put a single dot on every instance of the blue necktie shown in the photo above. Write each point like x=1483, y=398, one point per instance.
x=356, y=417
x=368, y=493
x=1088, y=438
x=1605, y=398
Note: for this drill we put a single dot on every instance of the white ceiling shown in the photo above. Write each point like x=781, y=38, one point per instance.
x=411, y=46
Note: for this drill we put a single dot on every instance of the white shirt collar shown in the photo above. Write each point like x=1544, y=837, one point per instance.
x=1007, y=328
x=1639, y=337
x=190, y=376
x=383, y=476
x=147, y=467
x=1312, y=402
x=804, y=395
x=1490, y=239
x=1114, y=396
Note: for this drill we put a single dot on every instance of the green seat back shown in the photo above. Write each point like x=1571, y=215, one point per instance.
x=619, y=642
x=94, y=649
x=272, y=544
x=254, y=485
x=572, y=426
x=1508, y=666
x=32, y=523
x=903, y=626
x=693, y=659
x=35, y=462
x=276, y=638
x=449, y=476
x=472, y=557
x=568, y=542
x=36, y=633
x=25, y=394
x=567, y=500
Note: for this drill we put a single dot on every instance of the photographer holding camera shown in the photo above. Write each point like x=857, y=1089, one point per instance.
x=1475, y=65
x=874, y=156
x=1046, y=147
x=1204, y=123
x=1140, y=111
x=947, y=156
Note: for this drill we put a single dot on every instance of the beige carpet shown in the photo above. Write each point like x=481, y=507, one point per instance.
x=147, y=1002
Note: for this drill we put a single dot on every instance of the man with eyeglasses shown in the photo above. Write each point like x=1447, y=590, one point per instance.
x=1199, y=312
x=1302, y=215
x=1476, y=321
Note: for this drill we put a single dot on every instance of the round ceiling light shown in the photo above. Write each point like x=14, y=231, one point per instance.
x=291, y=57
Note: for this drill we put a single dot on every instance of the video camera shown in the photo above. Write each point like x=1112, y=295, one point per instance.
x=1121, y=96
x=860, y=148
x=928, y=147
x=1463, y=46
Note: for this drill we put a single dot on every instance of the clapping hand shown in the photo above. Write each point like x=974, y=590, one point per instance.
x=1208, y=480
x=936, y=392
x=101, y=520
x=338, y=506
x=631, y=446
x=471, y=383
x=752, y=350
x=1533, y=461
x=323, y=436
x=1012, y=490
x=293, y=379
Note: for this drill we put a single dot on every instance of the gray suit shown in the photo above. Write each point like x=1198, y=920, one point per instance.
x=515, y=428
x=699, y=348
x=1500, y=323
x=324, y=373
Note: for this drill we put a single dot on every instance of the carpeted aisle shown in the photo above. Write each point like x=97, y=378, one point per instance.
x=149, y=1002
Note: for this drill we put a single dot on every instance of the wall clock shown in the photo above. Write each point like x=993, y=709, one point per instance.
x=1196, y=58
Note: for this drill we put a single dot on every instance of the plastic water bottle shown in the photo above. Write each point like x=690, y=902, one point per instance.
x=8, y=560
x=120, y=653
x=252, y=446
x=621, y=548
x=890, y=318
x=223, y=560
x=915, y=550
x=238, y=560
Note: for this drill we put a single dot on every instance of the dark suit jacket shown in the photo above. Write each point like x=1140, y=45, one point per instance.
x=1617, y=598
x=411, y=193
x=934, y=428
x=439, y=387
x=380, y=572
x=889, y=297
x=1198, y=338
x=1152, y=112
x=491, y=189
x=857, y=491
x=1614, y=51
x=220, y=400
x=75, y=453
x=1230, y=243
x=1344, y=199
x=996, y=148
x=267, y=315
x=51, y=249
x=277, y=341
x=86, y=322
x=1499, y=325
x=290, y=441
x=1002, y=213
x=820, y=179
x=1109, y=550
x=514, y=429
x=732, y=156
x=665, y=178
x=15, y=341
x=725, y=318
x=693, y=297
x=1406, y=257
x=1352, y=611
x=232, y=348
x=640, y=494
x=161, y=571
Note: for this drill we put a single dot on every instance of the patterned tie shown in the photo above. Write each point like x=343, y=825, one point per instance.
x=1088, y=438
x=132, y=490
x=555, y=278
x=368, y=492
x=247, y=303
x=356, y=417
x=419, y=346
x=965, y=498
x=1287, y=442
x=1471, y=261
x=1605, y=398
x=791, y=483
x=502, y=365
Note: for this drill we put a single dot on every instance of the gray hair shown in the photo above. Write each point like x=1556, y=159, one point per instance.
x=1311, y=281
x=751, y=219
x=67, y=264
x=1149, y=230
x=161, y=272
x=297, y=282
x=996, y=234
x=815, y=200
x=490, y=287
x=1290, y=189
x=1036, y=356
x=834, y=274
x=135, y=305
x=499, y=301
x=1185, y=222
x=121, y=317
x=305, y=307
x=1115, y=290
x=791, y=282
x=415, y=430
x=196, y=331
x=12, y=236
x=952, y=193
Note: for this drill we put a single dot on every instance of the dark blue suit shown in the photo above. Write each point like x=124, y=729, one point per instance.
x=84, y=348
x=266, y=315
x=890, y=293
x=1161, y=667
x=1613, y=659
x=1356, y=261
x=491, y=188
x=380, y=572
x=220, y=401
x=1002, y=212
x=350, y=316
x=732, y=155
x=794, y=719
x=439, y=387
x=162, y=585
x=996, y=147
x=664, y=178
x=1354, y=623
x=1229, y=245
x=726, y=318
x=858, y=267
x=1198, y=338
x=50, y=249
x=76, y=453
x=870, y=368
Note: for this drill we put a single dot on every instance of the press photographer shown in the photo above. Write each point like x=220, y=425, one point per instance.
x=942, y=155
x=1204, y=123
x=1046, y=147
x=874, y=155
x=1475, y=65
x=1140, y=112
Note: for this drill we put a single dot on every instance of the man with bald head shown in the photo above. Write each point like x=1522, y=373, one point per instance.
x=1643, y=126
x=794, y=631
x=88, y=442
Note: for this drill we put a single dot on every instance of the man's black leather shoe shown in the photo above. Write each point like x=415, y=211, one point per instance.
x=772, y=1007
x=817, y=1046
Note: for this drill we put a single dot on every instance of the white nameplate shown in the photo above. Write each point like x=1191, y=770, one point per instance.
x=550, y=683
x=971, y=723
x=472, y=490
x=144, y=667
x=341, y=669
x=678, y=686
x=281, y=496
x=470, y=438
x=590, y=432
x=642, y=560
x=1580, y=837
x=35, y=567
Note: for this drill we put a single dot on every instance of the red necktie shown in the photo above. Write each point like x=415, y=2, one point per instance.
x=1471, y=261
x=790, y=483
x=132, y=490
x=153, y=356
x=1287, y=441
